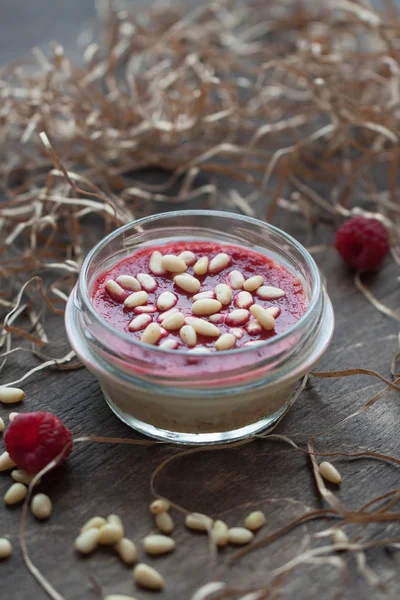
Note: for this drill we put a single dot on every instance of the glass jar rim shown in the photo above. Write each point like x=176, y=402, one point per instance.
x=315, y=295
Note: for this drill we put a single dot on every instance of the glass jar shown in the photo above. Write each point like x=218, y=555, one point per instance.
x=199, y=398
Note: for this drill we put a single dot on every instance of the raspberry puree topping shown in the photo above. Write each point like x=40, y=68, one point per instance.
x=199, y=297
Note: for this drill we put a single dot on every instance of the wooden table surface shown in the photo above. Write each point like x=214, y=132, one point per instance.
x=101, y=479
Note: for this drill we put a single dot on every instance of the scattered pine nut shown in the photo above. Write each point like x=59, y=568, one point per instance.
x=240, y=536
x=2, y=425
x=167, y=314
x=201, y=266
x=5, y=548
x=164, y=522
x=12, y=416
x=11, y=395
x=188, y=335
x=265, y=319
x=166, y=300
x=253, y=328
x=243, y=300
x=203, y=327
x=6, y=462
x=115, y=291
x=275, y=311
x=175, y=321
x=109, y=534
x=220, y=533
x=173, y=264
x=148, y=283
x=145, y=309
x=158, y=544
x=207, y=294
x=129, y=283
x=188, y=256
x=86, y=542
x=238, y=332
x=223, y=293
x=159, y=506
x=268, y=292
x=198, y=522
x=330, y=473
x=339, y=537
x=93, y=523
x=136, y=299
x=16, y=493
x=237, y=317
x=169, y=344
x=188, y=283
x=41, y=506
x=140, y=322
x=235, y=279
x=199, y=350
x=147, y=577
x=151, y=334
x=21, y=476
x=206, y=307
x=254, y=343
x=219, y=262
x=117, y=521
x=254, y=520
x=253, y=283
x=225, y=342
x=217, y=319
x=127, y=551
x=155, y=265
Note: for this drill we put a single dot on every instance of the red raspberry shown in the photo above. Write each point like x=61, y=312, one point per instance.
x=34, y=439
x=363, y=243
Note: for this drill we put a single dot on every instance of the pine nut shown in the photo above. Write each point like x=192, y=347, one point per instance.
x=265, y=319
x=235, y=279
x=173, y=264
x=5, y=548
x=268, y=292
x=166, y=300
x=223, y=293
x=115, y=291
x=12, y=416
x=207, y=294
x=159, y=506
x=237, y=317
x=238, y=332
x=243, y=300
x=201, y=266
x=158, y=544
x=240, y=536
x=217, y=319
x=93, y=523
x=151, y=334
x=330, y=473
x=164, y=522
x=147, y=577
x=220, y=533
x=118, y=597
x=6, y=462
x=155, y=265
x=198, y=522
x=187, y=282
x=225, y=342
x=254, y=520
x=11, y=395
x=339, y=537
x=203, y=327
x=219, y=262
x=275, y=311
x=199, y=350
x=2, y=425
x=136, y=299
x=145, y=310
x=167, y=314
x=206, y=307
x=188, y=335
x=254, y=343
x=16, y=493
x=21, y=476
x=117, y=521
x=109, y=534
x=41, y=506
x=174, y=322
x=129, y=283
x=148, y=283
x=253, y=283
x=127, y=551
x=188, y=256
x=86, y=542
x=139, y=322
x=169, y=344
x=253, y=328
